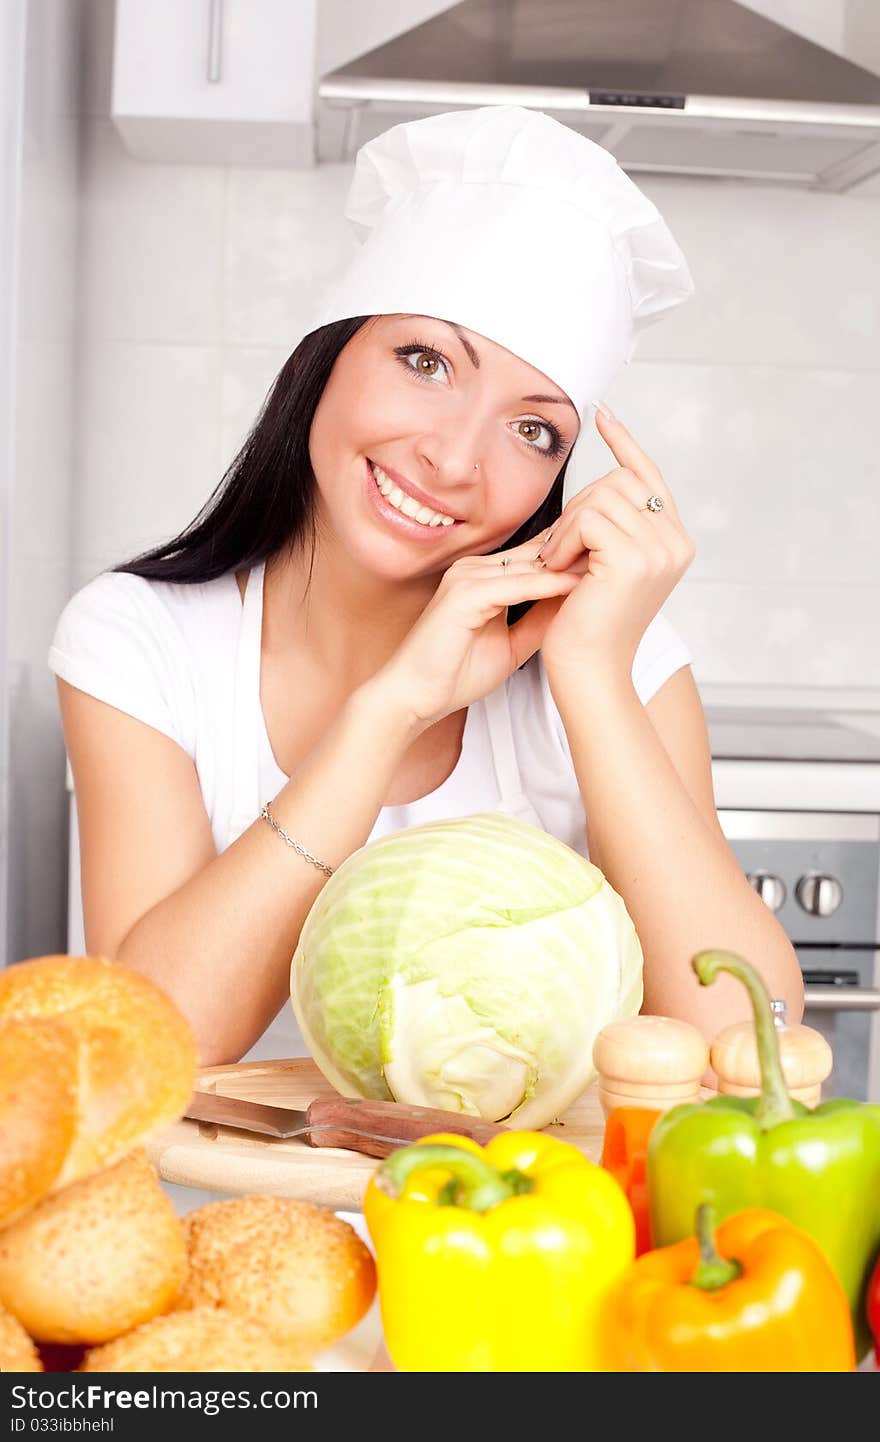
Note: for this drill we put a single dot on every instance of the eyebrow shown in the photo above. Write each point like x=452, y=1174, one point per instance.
x=475, y=362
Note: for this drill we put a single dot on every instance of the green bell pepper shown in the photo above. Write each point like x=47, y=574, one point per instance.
x=820, y=1168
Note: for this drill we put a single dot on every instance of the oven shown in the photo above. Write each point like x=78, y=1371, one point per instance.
x=819, y=872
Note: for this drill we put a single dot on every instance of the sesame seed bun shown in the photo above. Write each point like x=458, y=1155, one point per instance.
x=95, y=1259
x=298, y=1268
x=17, y=1351
x=206, y=1339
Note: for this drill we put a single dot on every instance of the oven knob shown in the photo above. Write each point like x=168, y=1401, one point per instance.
x=771, y=889
x=819, y=895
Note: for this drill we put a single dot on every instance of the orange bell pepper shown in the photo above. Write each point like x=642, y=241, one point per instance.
x=768, y=1303
x=624, y=1155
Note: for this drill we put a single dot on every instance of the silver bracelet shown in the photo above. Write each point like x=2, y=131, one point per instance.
x=267, y=816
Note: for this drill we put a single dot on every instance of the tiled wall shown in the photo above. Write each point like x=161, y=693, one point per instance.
x=758, y=397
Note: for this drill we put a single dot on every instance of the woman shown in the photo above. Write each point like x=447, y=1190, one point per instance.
x=385, y=615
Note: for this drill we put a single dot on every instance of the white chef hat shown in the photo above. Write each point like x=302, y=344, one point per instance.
x=518, y=228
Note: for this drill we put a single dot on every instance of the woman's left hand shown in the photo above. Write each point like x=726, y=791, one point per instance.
x=630, y=559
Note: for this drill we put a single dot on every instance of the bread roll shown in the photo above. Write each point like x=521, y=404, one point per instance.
x=109, y=1035
x=206, y=1339
x=302, y=1271
x=95, y=1259
x=17, y=1351
x=38, y=1110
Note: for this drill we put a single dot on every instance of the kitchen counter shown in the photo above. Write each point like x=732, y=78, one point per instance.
x=775, y=748
x=796, y=785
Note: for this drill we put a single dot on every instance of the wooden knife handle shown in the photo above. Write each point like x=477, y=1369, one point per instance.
x=388, y=1125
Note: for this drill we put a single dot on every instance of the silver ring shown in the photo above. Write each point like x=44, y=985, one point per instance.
x=505, y=562
x=655, y=503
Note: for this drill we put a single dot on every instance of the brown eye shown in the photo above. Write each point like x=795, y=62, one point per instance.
x=551, y=448
x=422, y=361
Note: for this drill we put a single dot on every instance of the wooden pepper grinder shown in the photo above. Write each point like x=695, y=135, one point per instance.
x=649, y=1061
x=805, y=1055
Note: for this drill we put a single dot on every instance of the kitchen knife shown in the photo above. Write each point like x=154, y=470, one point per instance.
x=374, y=1128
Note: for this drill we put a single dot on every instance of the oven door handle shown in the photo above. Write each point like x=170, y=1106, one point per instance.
x=841, y=998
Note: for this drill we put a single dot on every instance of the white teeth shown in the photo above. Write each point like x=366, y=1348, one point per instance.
x=406, y=504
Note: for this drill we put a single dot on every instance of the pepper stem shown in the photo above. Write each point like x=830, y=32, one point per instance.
x=774, y=1103
x=713, y=1271
x=477, y=1185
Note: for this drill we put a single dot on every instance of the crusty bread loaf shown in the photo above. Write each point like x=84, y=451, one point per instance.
x=112, y=1060
x=299, y=1269
x=206, y=1339
x=95, y=1259
x=17, y=1351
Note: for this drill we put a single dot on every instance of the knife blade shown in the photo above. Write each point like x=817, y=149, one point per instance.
x=373, y=1128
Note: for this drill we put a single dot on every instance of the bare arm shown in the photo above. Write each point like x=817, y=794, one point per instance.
x=645, y=776
x=217, y=933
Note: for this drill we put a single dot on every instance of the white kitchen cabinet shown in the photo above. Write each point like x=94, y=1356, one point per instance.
x=216, y=81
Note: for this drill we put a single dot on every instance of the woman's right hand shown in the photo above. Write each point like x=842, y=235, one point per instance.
x=461, y=647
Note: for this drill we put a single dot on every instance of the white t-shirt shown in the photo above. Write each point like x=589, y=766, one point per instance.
x=185, y=659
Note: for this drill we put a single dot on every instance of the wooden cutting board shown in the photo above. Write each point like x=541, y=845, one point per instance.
x=221, y=1159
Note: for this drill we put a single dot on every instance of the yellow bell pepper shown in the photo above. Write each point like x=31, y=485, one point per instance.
x=496, y=1258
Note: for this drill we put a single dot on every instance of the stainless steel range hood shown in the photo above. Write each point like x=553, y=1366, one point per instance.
x=682, y=87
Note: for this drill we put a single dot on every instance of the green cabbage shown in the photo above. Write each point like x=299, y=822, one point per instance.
x=468, y=965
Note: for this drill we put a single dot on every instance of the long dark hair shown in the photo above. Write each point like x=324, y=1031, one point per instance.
x=265, y=501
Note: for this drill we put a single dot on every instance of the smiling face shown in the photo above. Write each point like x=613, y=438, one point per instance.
x=410, y=406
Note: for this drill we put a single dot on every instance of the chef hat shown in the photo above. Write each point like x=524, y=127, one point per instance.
x=510, y=224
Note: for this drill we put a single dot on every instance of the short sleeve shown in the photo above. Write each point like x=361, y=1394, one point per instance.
x=660, y=654
x=117, y=640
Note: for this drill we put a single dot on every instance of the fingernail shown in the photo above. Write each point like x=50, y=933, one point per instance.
x=606, y=410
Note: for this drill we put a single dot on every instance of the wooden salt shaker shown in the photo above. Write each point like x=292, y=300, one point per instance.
x=649, y=1061
x=806, y=1059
